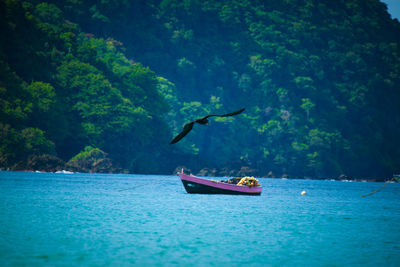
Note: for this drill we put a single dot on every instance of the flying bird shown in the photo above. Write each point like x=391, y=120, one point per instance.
x=189, y=126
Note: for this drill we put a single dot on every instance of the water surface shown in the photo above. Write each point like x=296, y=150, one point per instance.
x=147, y=220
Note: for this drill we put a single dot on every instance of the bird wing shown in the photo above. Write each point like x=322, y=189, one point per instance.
x=188, y=126
x=226, y=115
x=185, y=131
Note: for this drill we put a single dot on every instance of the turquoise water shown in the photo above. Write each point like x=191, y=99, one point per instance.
x=145, y=220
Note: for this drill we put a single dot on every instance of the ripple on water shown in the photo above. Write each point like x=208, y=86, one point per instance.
x=85, y=219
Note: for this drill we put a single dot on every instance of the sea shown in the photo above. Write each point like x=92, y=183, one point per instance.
x=80, y=219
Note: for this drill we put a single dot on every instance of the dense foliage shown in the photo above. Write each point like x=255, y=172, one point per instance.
x=62, y=90
x=320, y=81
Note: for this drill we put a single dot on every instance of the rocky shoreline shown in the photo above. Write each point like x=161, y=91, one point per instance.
x=102, y=164
x=50, y=163
x=248, y=171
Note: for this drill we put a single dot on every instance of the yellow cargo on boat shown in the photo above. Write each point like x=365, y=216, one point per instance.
x=248, y=181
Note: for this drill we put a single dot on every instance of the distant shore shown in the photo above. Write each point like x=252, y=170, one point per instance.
x=342, y=179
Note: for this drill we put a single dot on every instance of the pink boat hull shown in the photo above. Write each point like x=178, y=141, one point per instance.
x=196, y=185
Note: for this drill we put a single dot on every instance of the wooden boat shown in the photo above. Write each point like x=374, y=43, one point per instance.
x=196, y=185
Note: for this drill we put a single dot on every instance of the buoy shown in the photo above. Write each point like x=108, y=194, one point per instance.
x=303, y=193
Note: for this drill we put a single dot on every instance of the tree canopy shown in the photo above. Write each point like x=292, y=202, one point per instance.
x=320, y=81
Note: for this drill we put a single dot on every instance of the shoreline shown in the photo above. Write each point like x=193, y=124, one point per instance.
x=362, y=180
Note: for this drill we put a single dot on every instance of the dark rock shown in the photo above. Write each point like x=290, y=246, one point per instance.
x=344, y=177
x=102, y=166
x=93, y=160
x=271, y=175
x=246, y=171
x=19, y=166
x=207, y=172
x=47, y=163
x=227, y=172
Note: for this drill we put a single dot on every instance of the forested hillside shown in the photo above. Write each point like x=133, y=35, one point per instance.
x=105, y=85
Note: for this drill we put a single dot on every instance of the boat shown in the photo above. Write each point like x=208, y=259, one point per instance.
x=197, y=185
